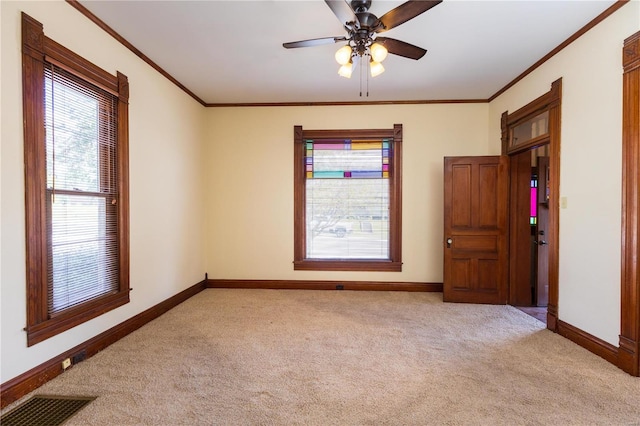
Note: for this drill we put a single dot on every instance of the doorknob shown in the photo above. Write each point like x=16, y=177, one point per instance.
x=449, y=241
x=542, y=242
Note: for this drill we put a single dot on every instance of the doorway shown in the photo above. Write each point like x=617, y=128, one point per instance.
x=531, y=141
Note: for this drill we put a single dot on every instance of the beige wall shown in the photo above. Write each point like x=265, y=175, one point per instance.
x=250, y=179
x=166, y=131
x=590, y=168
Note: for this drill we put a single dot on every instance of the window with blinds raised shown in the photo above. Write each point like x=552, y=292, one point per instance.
x=76, y=186
x=82, y=190
x=348, y=200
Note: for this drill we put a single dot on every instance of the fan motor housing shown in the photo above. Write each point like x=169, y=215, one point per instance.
x=368, y=20
x=360, y=5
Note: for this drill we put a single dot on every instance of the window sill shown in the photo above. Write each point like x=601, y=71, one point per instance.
x=347, y=265
x=76, y=316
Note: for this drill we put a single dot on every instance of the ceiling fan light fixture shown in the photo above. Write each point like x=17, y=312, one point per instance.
x=378, y=52
x=343, y=55
x=375, y=68
x=346, y=70
x=363, y=46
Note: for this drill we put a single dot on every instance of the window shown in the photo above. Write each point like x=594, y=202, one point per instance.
x=76, y=186
x=348, y=199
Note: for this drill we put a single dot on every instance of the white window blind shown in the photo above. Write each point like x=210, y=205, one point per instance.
x=81, y=173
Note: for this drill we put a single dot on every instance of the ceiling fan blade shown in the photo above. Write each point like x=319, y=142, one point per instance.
x=401, y=48
x=404, y=12
x=314, y=42
x=345, y=14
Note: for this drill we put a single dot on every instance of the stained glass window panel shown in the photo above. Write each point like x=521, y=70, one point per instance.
x=347, y=199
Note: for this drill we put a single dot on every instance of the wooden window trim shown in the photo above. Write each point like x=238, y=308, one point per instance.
x=545, y=102
x=36, y=50
x=394, y=264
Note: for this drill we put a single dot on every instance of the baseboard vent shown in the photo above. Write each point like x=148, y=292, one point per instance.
x=45, y=410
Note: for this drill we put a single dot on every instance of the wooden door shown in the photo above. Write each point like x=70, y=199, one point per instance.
x=542, y=284
x=475, y=229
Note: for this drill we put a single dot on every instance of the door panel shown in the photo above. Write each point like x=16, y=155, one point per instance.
x=475, y=229
x=461, y=274
x=487, y=193
x=520, y=260
x=487, y=274
x=461, y=203
x=475, y=242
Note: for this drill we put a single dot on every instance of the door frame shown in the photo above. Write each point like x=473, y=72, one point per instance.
x=551, y=102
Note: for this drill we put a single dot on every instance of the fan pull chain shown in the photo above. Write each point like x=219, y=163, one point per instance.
x=367, y=73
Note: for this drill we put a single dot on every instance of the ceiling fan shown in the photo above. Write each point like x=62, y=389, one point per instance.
x=362, y=37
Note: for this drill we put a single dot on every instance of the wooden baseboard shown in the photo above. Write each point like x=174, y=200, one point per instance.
x=591, y=343
x=628, y=355
x=18, y=387
x=325, y=285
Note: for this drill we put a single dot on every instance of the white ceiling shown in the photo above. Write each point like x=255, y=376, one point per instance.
x=231, y=51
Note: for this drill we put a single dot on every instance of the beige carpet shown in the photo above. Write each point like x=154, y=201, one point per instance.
x=287, y=357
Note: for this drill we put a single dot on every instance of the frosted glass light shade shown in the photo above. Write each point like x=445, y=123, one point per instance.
x=346, y=70
x=343, y=55
x=376, y=68
x=378, y=52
